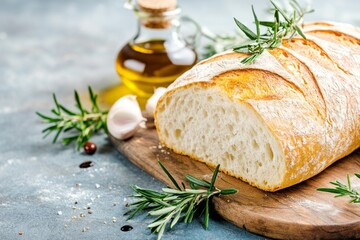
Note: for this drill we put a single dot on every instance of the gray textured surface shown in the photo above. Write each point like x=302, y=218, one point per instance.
x=58, y=46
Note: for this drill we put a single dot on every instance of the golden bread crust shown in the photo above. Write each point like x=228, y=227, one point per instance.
x=306, y=92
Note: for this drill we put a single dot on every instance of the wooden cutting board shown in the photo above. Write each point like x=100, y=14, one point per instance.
x=299, y=212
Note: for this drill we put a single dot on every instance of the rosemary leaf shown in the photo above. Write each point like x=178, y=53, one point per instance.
x=67, y=111
x=170, y=198
x=257, y=24
x=57, y=134
x=299, y=31
x=191, y=215
x=196, y=181
x=189, y=210
x=162, y=211
x=213, y=179
x=139, y=208
x=250, y=34
x=206, y=215
x=228, y=191
x=155, y=224
x=267, y=24
x=161, y=232
x=169, y=175
x=49, y=119
x=50, y=128
x=176, y=218
x=78, y=103
x=56, y=104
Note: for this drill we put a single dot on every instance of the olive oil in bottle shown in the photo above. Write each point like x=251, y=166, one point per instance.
x=149, y=65
x=157, y=55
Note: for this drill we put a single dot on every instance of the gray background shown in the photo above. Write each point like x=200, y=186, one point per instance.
x=58, y=46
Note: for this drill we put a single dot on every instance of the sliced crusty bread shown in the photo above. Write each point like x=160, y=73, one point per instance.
x=273, y=123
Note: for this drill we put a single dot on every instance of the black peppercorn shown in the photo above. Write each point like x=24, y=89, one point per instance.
x=90, y=148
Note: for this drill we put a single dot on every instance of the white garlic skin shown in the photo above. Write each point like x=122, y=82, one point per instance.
x=151, y=103
x=125, y=118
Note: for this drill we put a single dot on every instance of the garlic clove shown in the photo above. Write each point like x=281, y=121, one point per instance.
x=151, y=103
x=125, y=118
x=123, y=126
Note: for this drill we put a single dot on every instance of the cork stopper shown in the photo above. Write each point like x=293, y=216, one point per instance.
x=157, y=6
x=156, y=10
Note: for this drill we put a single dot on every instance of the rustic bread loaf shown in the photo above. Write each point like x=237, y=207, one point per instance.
x=275, y=122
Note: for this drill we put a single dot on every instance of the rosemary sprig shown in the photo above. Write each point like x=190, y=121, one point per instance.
x=172, y=205
x=83, y=123
x=342, y=190
x=277, y=30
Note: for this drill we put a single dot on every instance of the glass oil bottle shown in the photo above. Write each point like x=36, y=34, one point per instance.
x=157, y=55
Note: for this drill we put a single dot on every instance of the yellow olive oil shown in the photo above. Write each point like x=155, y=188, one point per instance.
x=142, y=67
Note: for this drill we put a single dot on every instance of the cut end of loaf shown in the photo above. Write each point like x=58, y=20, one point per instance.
x=205, y=124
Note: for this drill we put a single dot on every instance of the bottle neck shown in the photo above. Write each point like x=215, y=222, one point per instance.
x=168, y=36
